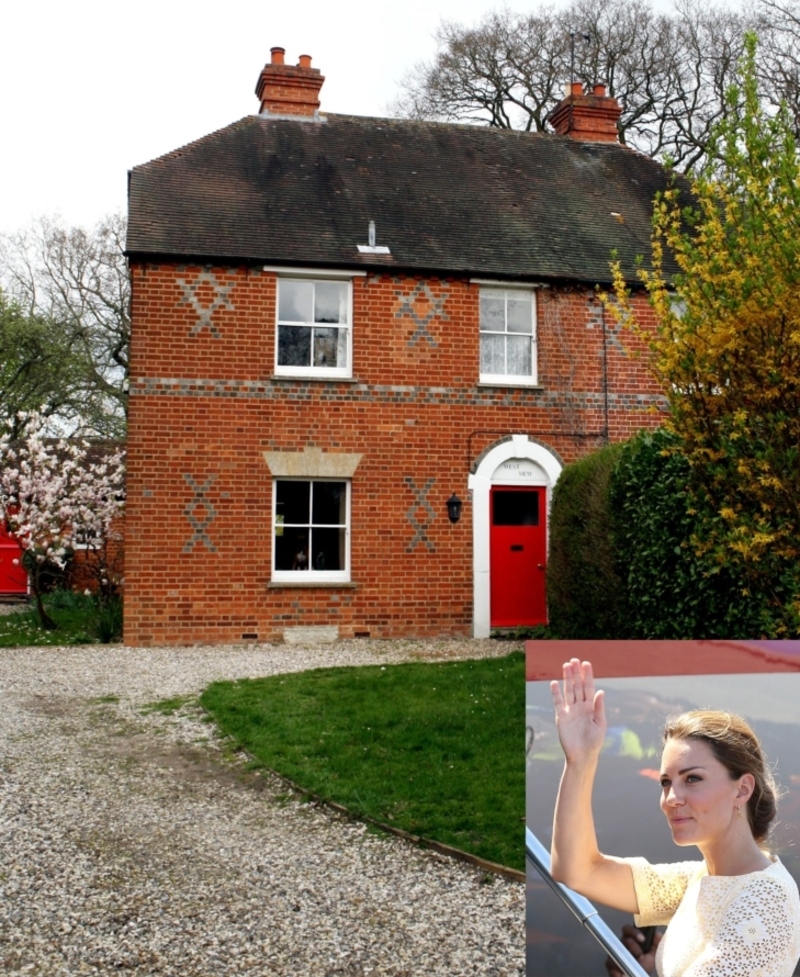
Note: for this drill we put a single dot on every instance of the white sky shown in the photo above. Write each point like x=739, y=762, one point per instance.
x=90, y=88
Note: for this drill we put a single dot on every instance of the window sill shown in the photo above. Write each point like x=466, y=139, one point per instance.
x=310, y=378
x=514, y=385
x=311, y=584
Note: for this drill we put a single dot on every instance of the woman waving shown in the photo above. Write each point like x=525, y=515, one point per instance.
x=736, y=913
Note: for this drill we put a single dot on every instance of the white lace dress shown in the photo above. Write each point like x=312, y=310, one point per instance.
x=720, y=925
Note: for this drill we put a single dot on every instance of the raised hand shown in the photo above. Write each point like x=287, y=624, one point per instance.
x=580, y=712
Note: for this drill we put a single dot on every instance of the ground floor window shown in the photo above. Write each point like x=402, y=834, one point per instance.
x=311, y=530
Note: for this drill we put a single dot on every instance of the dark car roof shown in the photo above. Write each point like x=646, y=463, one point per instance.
x=450, y=199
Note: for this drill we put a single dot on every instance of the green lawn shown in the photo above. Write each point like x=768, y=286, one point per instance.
x=435, y=749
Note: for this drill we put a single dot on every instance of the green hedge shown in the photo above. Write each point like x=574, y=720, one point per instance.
x=585, y=594
x=624, y=563
x=670, y=591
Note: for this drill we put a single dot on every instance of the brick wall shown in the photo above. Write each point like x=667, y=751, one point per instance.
x=88, y=569
x=205, y=406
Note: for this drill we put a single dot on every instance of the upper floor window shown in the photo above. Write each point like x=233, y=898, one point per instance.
x=314, y=328
x=508, y=336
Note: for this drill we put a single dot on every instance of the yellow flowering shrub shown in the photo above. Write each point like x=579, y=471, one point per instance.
x=727, y=352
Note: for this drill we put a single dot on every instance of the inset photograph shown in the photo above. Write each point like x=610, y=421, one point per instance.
x=662, y=808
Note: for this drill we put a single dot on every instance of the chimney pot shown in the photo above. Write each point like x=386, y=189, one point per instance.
x=289, y=89
x=588, y=116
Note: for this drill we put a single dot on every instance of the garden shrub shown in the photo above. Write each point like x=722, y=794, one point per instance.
x=584, y=592
x=107, y=624
x=668, y=591
x=630, y=557
x=675, y=587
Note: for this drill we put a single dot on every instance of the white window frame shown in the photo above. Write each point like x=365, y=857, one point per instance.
x=311, y=576
x=315, y=276
x=510, y=379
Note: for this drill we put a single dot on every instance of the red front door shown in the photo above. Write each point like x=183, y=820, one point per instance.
x=13, y=579
x=517, y=556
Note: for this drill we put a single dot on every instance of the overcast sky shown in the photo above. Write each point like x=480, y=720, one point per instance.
x=90, y=89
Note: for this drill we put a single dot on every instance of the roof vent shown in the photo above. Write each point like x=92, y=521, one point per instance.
x=590, y=116
x=289, y=89
x=372, y=247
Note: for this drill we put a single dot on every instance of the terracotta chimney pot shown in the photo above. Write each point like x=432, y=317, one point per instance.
x=576, y=88
x=599, y=90
x=289, y=89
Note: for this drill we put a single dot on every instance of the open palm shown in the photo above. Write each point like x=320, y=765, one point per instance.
x=580, y=712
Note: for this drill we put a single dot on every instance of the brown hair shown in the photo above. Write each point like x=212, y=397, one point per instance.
x=738, y=749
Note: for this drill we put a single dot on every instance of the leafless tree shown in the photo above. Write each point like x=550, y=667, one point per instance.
x=77, y=281
x=777, y=23
x=506, y=72
x=670, y=71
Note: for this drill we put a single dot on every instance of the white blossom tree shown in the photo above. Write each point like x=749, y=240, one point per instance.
x=57, y=495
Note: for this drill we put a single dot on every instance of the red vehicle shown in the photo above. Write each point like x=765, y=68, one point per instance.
x=644, y=683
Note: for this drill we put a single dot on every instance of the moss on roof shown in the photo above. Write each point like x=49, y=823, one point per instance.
x=446, y=199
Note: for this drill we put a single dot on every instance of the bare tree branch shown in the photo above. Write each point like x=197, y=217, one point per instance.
x=77, y=281
x=669, y=71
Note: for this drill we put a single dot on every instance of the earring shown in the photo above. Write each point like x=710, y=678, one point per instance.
x=739, y=814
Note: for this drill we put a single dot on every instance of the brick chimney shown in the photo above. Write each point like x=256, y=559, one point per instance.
x=590, y=117
x=289, y=90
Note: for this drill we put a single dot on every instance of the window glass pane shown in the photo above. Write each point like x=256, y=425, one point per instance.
x=327, y=549
x=310, y=531
x=291, y=548
x=327, y=344
x=520, y=314
x=515, y=508
x=292, y=502
x=330, y=501
x=294, y=300
x=330, y=304
x=520, y=362
x=294, y=346
x=493, y=312
x=493, y=354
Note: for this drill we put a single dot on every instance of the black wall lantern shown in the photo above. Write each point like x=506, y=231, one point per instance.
x=454, y=505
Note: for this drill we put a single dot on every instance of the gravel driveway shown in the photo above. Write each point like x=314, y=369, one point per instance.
x=129, y=842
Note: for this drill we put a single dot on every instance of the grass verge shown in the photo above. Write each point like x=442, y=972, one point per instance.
x=432, y=748
x=80, y=618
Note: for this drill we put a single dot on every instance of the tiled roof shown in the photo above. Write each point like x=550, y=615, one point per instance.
x=446, y=199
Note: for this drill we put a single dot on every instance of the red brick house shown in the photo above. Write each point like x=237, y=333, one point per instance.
x=339, y=323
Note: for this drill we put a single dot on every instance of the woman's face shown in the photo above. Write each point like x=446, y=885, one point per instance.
x=698, y=795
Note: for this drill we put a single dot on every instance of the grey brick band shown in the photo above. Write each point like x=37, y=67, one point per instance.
x=330, y=391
